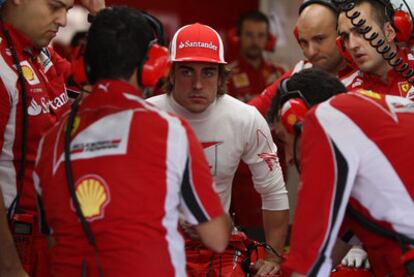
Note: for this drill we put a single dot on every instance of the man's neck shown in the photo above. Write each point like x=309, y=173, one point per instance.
x=382, y=73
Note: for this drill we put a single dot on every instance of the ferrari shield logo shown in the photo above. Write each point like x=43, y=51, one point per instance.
x=405, y=88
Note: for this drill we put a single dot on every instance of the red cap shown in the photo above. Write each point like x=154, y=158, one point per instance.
x=197, y=43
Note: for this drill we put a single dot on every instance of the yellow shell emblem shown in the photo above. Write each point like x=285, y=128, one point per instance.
x=28, y=73
x=93, y=196
x=291, y=119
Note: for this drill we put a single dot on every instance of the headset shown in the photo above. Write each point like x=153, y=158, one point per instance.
x=155, y=65
x=292, y=107
x=401, y=22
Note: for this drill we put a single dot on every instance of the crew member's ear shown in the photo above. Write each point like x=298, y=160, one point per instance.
x=389, y=32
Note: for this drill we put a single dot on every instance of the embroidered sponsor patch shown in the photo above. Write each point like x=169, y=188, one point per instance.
x=93, y=196
x=406, y=89
x=29, y=74
x=371, y=94
x=241, y=80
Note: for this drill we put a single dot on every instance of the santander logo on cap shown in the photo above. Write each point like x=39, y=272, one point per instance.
x=197, y=43
x=188, y=43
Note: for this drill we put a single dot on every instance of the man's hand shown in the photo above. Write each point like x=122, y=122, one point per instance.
x=266, y=267
x=356, y=257
x=93, y=6
x=189, y=230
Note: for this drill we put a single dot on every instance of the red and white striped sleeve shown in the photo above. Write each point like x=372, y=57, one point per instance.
x=326, y=182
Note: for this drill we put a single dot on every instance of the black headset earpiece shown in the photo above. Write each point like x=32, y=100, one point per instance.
x=298, y=127
x=281, y=94
x=156, y=27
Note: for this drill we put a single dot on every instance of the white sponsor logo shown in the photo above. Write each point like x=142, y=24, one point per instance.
x=357, y=83
x=199, y=44
x=399, y=105
x=45, y=60
x=36, y=108
x=103, y=87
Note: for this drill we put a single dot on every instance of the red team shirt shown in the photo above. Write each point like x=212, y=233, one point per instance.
x=134, y=167
x=395, y=85
x=44, y=74
x=263, y=101
x=246, y=82
x=373, y=173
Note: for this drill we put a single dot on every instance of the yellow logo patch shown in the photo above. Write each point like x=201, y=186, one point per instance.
x=29, y=74
x=405, y=88
x=93, y=196
x=371, y=94
x=75, y=126
x=291, y=119
x=241, y=80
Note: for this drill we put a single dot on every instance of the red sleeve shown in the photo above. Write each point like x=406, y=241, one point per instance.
x=321, y=201
x=4, y=111
x=263, y=101
x=198, y=186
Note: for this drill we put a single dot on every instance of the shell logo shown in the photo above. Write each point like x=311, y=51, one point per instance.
x=28, y=73
x=93, y=196
x=291, y=119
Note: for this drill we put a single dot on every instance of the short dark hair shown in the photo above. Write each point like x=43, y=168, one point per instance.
x=253, y=16
x=77, y=38
x=118, y=40
x=315, y=85
x=383, y=10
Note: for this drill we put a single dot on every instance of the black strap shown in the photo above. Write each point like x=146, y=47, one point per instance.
x=379, y=230
x=71, y=185
x=15, y=205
